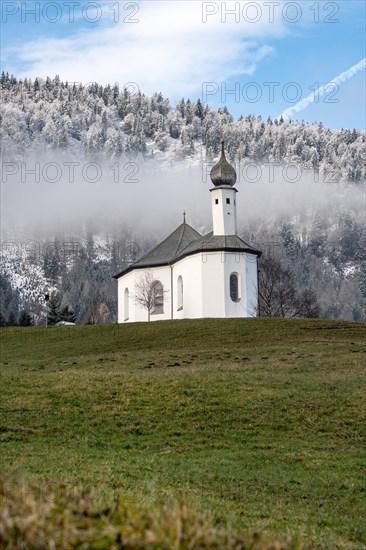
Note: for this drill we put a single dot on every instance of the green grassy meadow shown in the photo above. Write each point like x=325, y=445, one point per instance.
x=258, y=423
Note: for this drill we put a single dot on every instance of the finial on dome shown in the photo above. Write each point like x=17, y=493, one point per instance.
x=223, y=173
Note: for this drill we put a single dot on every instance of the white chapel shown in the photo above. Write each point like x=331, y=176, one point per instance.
x=195, y=276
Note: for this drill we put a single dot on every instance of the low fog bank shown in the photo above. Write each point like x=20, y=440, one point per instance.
x=49, y=195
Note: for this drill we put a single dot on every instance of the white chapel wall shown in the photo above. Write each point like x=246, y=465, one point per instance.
x=213, y=266
x=252, y=284
x=190, y=269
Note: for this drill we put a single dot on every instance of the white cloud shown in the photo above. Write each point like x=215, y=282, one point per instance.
x=168, y=49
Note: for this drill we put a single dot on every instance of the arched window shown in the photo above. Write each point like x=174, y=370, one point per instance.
x=234, y=287
x=180, y=293
x=158, y=298
x=126, y=305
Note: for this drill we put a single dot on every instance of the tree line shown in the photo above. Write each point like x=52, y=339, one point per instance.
x=111, y=122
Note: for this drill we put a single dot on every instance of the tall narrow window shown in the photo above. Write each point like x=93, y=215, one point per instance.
x=234, y=287
x=180, y=293
x=126, y=305
x=158, y=298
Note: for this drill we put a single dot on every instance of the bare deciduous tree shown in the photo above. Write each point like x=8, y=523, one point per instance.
x=278, y=296
x=103, y=313
x=307, y=304
x=149, y=293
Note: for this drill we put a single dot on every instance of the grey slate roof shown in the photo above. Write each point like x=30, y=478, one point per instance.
x=185, y=241
x=219, y=242
x=167, y=250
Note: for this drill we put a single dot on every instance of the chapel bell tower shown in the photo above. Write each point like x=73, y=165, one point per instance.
x=223, y=197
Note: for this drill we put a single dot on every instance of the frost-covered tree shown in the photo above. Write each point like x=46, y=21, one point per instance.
x=50, y=113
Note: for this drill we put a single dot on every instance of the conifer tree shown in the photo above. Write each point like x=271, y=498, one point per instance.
x=2, y=320
x=67, y=314
x=12, y=320
x=54, y=313
x=25, y=319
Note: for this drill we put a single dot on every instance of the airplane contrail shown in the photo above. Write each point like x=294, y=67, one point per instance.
x=301, y=105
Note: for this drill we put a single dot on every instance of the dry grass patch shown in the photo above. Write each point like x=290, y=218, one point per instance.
x=64, y=518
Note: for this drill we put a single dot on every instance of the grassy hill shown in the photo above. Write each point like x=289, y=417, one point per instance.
x=256, y=424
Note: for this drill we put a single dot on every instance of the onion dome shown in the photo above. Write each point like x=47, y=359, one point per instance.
x=223, y=173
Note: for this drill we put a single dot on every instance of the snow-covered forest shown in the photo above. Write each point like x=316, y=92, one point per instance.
x=323, y=248
x=97, y=119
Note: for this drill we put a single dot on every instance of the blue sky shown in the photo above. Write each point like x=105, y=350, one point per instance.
x=200, y=49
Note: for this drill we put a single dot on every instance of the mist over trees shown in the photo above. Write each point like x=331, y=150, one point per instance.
x=322, y=256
